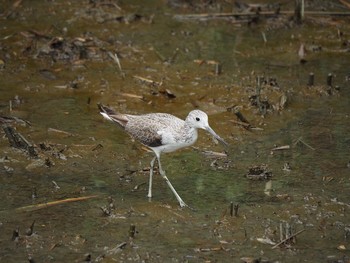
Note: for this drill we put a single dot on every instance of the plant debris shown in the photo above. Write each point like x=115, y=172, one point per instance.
x=259, y=172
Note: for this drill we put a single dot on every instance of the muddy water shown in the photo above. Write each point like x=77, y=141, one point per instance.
x=92, y=158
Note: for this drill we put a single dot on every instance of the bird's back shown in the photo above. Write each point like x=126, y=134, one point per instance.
x=152, y=129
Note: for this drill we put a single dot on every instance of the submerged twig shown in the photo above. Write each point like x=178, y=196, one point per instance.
x=242, y=120
x=244, y=124
x=252, y=14
x=173, y=57
x=300, y=140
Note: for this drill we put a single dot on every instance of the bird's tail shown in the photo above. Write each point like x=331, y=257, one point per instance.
x=113, y=116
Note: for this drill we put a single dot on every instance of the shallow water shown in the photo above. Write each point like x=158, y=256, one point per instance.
x=312, y=196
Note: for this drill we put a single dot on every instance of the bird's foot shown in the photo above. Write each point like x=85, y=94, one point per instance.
x=183, y=204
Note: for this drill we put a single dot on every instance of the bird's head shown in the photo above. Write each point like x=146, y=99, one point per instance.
x=199, y=120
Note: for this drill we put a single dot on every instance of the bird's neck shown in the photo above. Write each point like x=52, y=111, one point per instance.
x=191, y=133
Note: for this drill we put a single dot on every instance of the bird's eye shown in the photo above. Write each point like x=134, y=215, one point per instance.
x=198, y=119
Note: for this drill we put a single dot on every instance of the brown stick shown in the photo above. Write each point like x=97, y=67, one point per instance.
x=30, y=208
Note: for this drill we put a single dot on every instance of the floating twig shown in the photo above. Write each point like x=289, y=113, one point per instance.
x=279, y=148
x=208, y=249
x=148, y=81
x=288, y=238
x=60, y=131
x=130, y=95
x=30, y=208
x=256, y=129
x=212, y=154
x=117, y=249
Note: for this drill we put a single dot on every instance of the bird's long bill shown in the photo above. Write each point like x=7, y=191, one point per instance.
x=211, y=131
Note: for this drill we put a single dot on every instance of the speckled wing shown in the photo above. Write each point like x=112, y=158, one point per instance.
x=149, y=128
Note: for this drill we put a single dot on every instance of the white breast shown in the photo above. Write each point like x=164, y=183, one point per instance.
x=172, y=143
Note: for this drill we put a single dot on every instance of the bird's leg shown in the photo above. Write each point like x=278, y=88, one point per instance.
x=162, y=173
x=150, y=178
